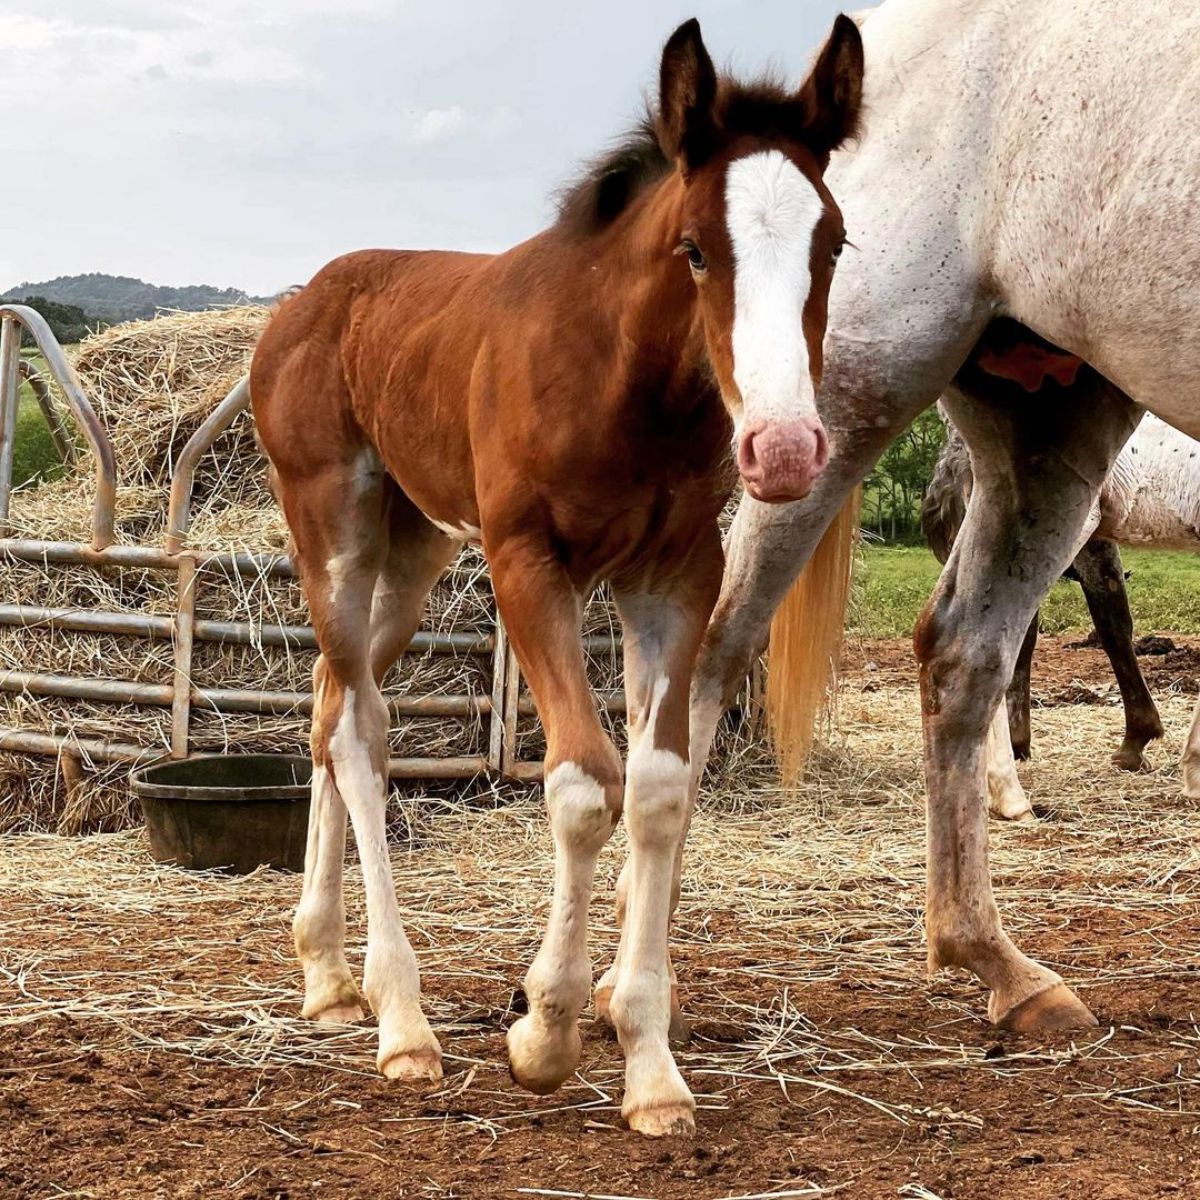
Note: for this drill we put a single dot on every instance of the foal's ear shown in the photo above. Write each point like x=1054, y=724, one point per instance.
x=831, y=98
x=687, y=97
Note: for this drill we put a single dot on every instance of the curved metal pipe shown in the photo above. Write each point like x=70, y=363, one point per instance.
x=179, y=511
x=85, y=417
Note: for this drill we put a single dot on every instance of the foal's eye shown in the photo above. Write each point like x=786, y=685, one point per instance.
x=695, y=255
x=837, y=251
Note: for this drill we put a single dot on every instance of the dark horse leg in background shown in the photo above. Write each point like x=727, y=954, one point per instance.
x=1098, y=569
x=1017, y=698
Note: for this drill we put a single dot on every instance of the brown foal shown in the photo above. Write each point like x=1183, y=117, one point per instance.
x=569, y=403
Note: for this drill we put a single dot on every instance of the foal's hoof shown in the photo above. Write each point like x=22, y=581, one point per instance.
x=1013, y=808
x=1056, y=1010
x=424, y=1064
x=541, y=1058
x=1023, y=815
x=340, y=1014
x=666, y=1120
x=602, y=1003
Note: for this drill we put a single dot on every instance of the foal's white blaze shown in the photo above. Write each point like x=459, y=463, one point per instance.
x=772, y=212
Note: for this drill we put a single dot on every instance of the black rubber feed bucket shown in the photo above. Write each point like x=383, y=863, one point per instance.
x=236, y=812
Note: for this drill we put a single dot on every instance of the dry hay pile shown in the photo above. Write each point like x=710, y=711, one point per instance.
x=153, y=383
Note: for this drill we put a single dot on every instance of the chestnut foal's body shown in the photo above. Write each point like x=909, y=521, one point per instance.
x=566, y=403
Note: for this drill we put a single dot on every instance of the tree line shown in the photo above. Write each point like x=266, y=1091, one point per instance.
x=68, y=322
x=894, y=490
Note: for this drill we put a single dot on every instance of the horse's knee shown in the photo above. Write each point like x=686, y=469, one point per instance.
x=584, y=801
x=349, y=729
x=656, y=794
x=963, y=677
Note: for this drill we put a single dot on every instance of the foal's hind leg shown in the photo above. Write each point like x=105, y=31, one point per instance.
x=319, y=926
x=416, y=556
x=339, y=521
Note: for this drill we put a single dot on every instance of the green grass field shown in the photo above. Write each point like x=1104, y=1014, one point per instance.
x=34, y=456
x=893, y=584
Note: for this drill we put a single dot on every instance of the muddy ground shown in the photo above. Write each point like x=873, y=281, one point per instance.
x=150, y=1043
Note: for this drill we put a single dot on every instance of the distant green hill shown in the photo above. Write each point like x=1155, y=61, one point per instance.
x=120, y=298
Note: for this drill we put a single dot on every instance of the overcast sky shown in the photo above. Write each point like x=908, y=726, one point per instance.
x=243, y=143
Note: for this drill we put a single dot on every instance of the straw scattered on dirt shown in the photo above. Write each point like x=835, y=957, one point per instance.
x=150, y=1021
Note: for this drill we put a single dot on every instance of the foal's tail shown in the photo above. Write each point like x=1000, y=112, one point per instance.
x=806, y=642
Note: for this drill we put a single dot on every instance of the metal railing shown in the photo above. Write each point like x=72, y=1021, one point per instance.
x=502, y=708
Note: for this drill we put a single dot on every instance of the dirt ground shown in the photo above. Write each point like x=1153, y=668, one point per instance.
x=150, y=1043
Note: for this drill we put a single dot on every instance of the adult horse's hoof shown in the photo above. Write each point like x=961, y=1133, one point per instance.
x=1130, y=758
x=1056, y=1010
x=666, y=1120
x=424, y=1064
x=541, y=1058
x=1191, y=780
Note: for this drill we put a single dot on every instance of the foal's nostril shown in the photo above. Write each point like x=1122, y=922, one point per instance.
x=747, y=457
x=821, y=450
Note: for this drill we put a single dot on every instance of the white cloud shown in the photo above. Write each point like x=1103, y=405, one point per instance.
x=244, y=143
x=438, y=124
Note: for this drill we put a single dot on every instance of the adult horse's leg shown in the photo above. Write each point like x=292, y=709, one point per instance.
x=337, y=517
x=542, y=611
x=663, y=623
x=1190, y=761
x=1038, y=470
x=1006, y=796
x=1018, y=698
x=1102, y=577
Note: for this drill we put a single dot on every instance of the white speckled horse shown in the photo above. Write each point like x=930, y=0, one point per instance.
x=1025, y=159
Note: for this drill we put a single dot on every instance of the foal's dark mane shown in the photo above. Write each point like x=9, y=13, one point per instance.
x=610, y=182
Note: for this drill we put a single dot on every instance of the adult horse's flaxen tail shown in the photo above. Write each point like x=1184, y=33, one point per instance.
x=806, y=641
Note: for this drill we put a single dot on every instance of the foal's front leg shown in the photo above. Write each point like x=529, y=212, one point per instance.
x=662, y=630
x=541, y=611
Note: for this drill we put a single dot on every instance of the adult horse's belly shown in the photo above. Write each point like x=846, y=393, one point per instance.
x=1096, y=193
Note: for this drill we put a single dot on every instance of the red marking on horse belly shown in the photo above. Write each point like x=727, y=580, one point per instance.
x=1030, y=366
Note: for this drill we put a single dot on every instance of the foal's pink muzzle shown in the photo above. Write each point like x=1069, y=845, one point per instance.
x=780, y=460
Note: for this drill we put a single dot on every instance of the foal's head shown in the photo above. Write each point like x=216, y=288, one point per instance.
x=761, y=235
